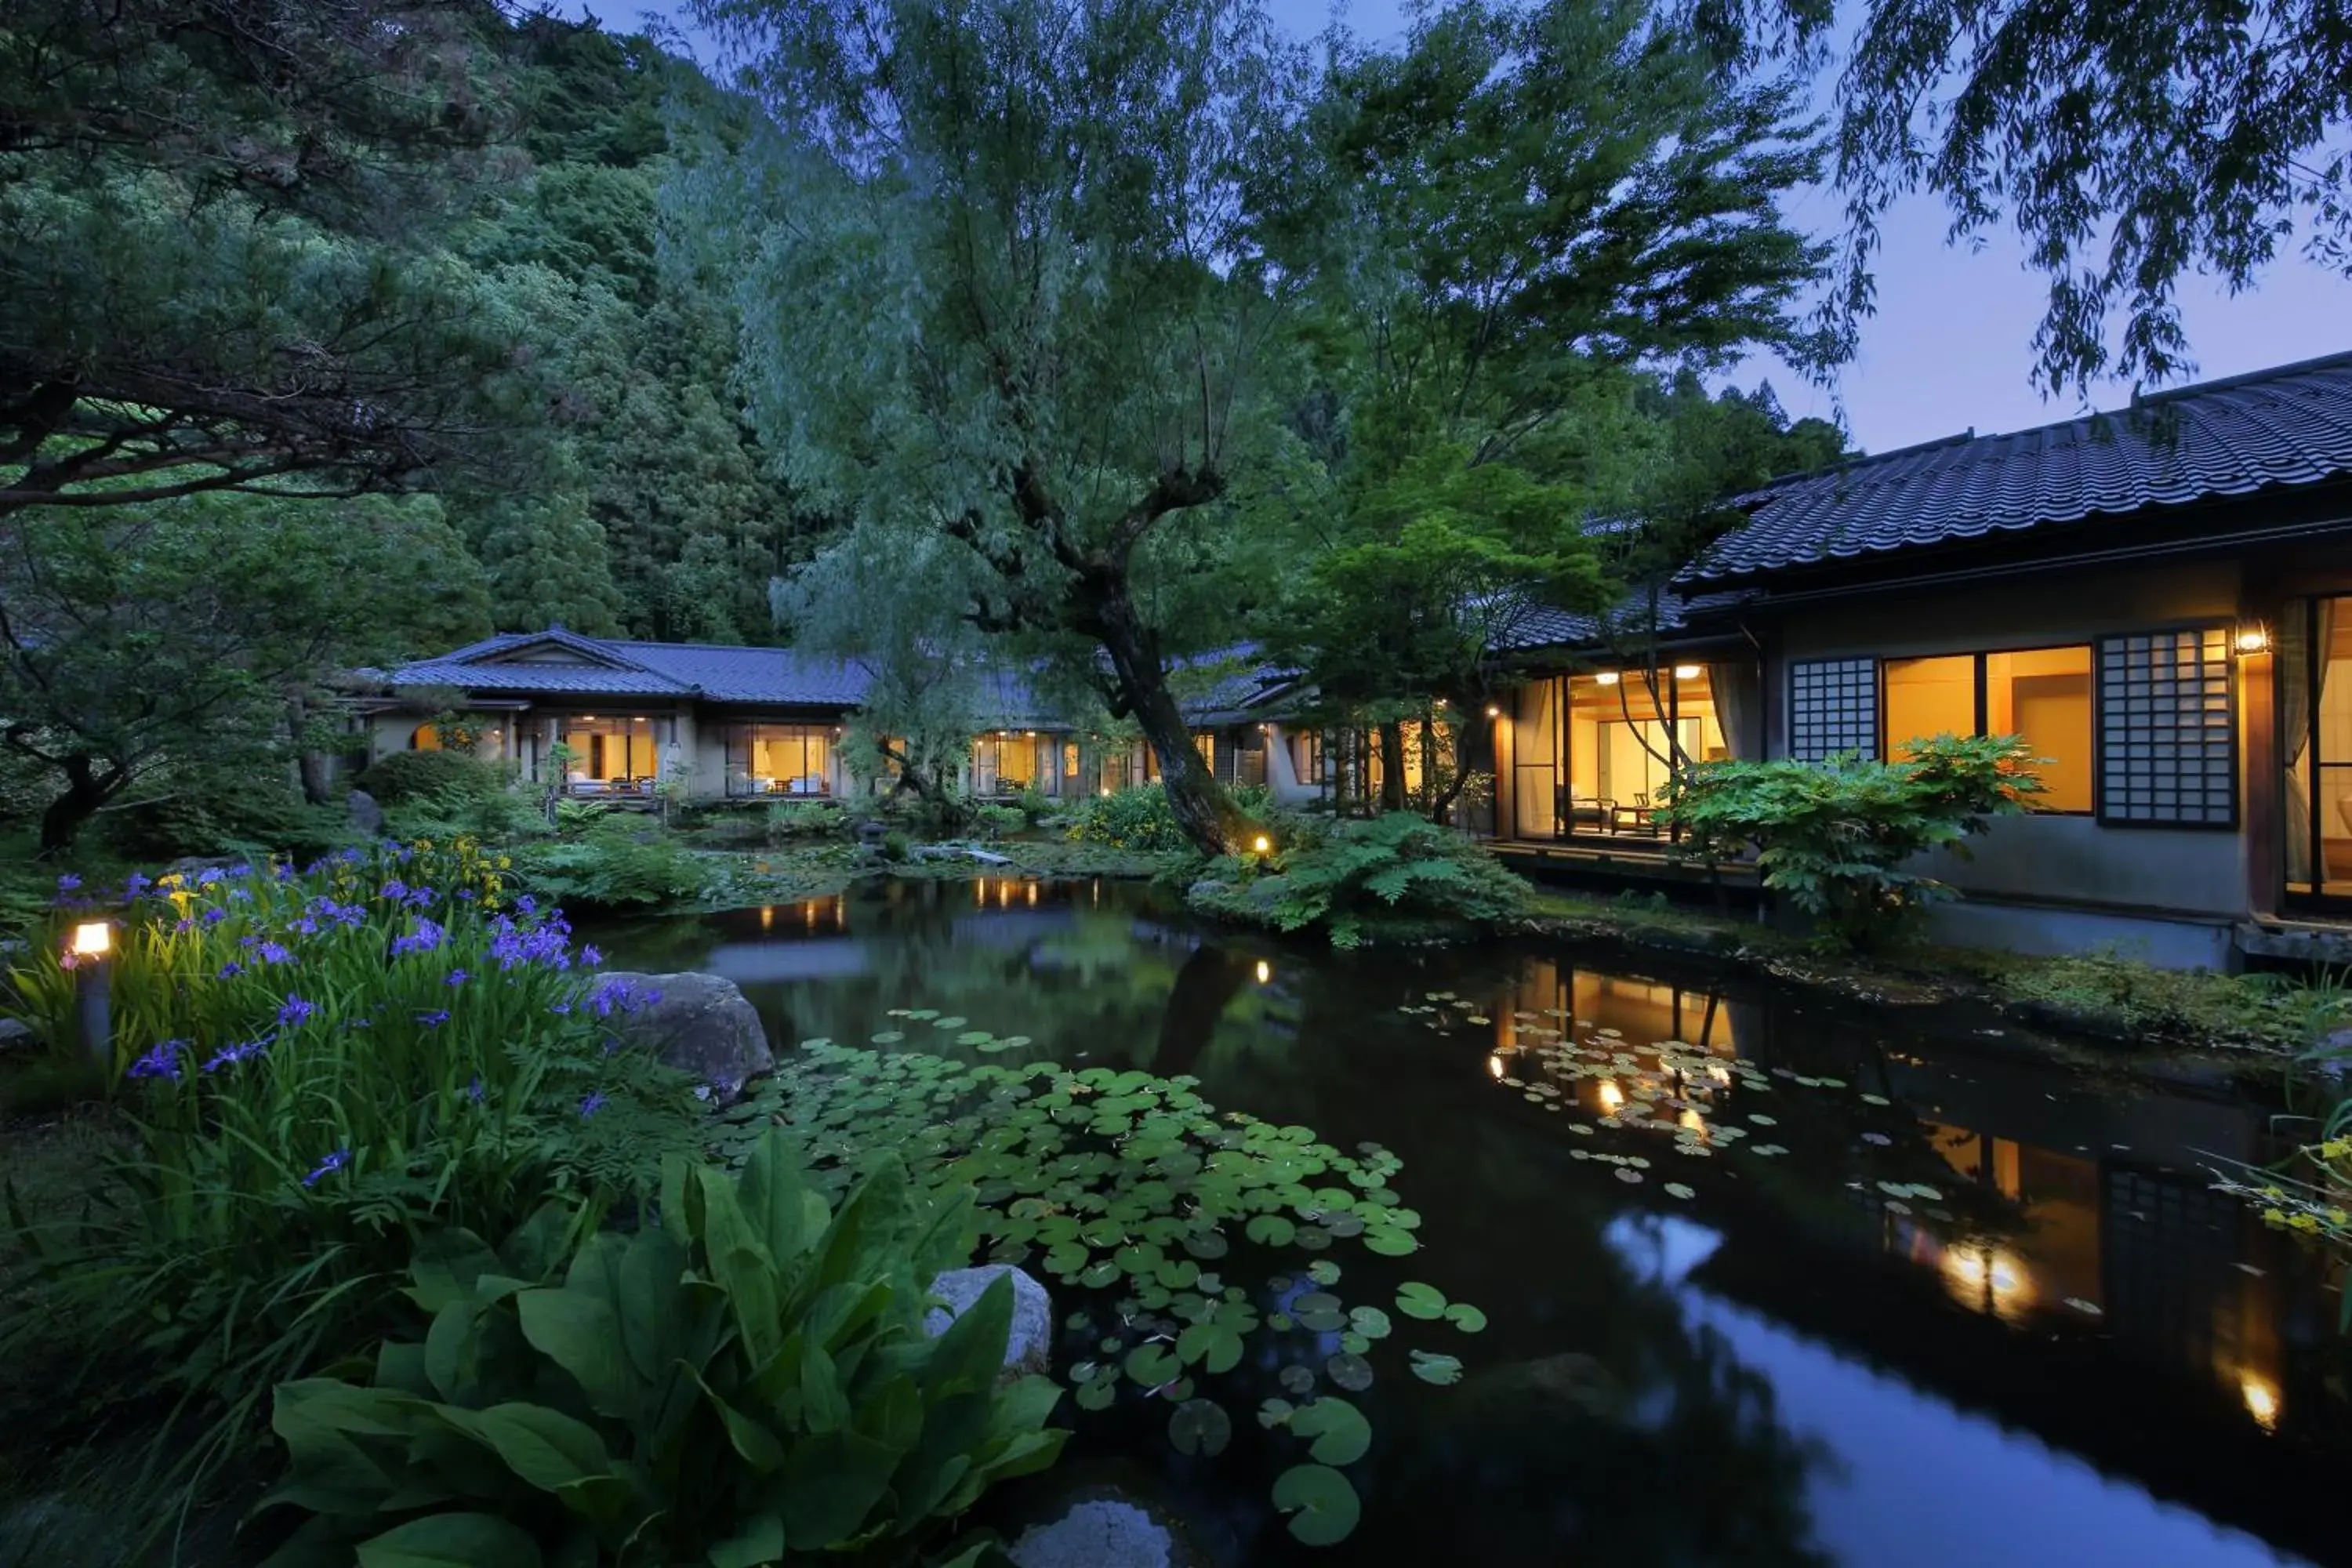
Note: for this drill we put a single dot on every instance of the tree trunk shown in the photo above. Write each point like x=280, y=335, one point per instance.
x=86, y=790
x=1391, y=765
x=312, y=767
x=1205, y=986
x=1204, y=811
x=1473, y=743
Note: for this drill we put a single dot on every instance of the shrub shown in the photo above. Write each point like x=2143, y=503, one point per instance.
x=317, y=1068
x=399, y=777
x=806, y=819
x=1400, y=870
x=997, y=820
x=614, y=863
x=749, y=1382
x=1135, y=818
x=1035, y=806
x=897, y=846
x=1836, y=837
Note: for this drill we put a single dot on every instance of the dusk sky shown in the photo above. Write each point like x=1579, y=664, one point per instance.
x=1950, y=346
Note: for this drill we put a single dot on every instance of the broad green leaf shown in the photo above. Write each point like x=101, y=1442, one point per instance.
x=1466, y=1317
x=543, y=1448
x=1415, y=1300
x=1340, y=1433
x=581, y=1333
x=830, y=1483
x=761, y=1541
x=1323, y=1508
x=1199, y=1427
x=451, y=1540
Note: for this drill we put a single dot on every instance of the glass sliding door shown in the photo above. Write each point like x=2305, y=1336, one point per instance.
x=2315, y=675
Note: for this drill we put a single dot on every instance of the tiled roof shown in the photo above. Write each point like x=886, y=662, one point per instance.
x=2289, y=425
x=603, y=667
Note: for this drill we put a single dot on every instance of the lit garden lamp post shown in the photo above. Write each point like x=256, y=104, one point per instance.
x=92, y=939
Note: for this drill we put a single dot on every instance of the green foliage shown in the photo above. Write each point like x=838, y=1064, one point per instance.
x=806, y=819
x=317, y=1068
x=398, y=778
x=1137, y=817
x=897, y=846
x=1398, y=870
x=1152, y=1208
x=1062, y=366
x=2155, y=145
x=748, y=1383
x=176, y=632
x=995, y=818
x=1035, y=806
x=1836, y=838
x=615, y=862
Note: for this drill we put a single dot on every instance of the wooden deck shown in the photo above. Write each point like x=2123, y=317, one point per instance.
x=1626, y=860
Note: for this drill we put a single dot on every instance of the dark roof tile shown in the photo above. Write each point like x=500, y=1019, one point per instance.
x=2289, y=425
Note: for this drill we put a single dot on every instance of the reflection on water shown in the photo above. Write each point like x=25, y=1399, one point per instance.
x=1767, y=1280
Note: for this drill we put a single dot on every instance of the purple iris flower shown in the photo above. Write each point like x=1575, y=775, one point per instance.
x=591, y=1105
x=136, y=885
x=229, y=1056
x=393, y=891
x=296, y=1011
x=424, y=937
x=230, y=970
x=458, y=977
x=433, y=1020
x=270, y=953
x=334, y=1161
x=474, y=1089
x=163, y=1061
x=213, y=914
x=527, y=905
x=592, y=955
x=68, y=885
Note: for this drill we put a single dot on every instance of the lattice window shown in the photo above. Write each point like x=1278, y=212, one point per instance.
x=1832, y=708
x=2168, y=730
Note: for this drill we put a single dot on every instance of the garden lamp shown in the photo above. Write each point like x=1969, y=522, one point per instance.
x=92, y=939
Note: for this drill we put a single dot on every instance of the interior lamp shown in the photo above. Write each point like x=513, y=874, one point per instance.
x=1607, y=678
x=1687, y=672
x=2253, y=638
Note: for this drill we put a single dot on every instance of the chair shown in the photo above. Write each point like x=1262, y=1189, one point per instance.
x=1573, y=807
x=1635, y=818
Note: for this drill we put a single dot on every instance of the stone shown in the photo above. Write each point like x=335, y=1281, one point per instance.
x=366, y=815
x=1029, y=1348
x=15, y=1034
x=701, y=1024
x=1103, y=1532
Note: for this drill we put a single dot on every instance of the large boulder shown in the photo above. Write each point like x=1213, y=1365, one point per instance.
x=698, y=1023
x=1029, y=1348
x=366, y=815
x=1103, y=1532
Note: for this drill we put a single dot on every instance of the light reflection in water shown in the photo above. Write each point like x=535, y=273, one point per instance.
x=2262, y=1397
x=1986, y=1276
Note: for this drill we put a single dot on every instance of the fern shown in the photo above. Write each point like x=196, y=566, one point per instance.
x=1395, y=871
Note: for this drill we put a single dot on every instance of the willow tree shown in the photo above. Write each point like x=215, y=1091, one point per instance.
x=1000, y=285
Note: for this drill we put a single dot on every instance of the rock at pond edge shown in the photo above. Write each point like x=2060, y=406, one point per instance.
x=702, y=1025
x=1102, y=1533
x=1029, y=1347
x=366, y=815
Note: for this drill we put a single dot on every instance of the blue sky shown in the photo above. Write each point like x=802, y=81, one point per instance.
x=1950, y=346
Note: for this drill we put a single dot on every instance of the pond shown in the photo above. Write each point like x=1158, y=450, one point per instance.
x=1920, y=1296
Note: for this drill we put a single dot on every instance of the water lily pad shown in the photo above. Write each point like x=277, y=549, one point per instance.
x=974, y=1038
x=1297, y=1379
x=1213, y=1344
x=1318, y=1313
x=1097, y=1395
x=1392, y=1244
x=1350, y=1371
x=1323, y=1508
x=889, y=1036
x=1206, y=1244
x=1467, y=1318
x=1323, y=1271
x=1442, y=1370
x=2090, y=1308
x=1201, y=1427
x=1415, y=1300
x=1274, y=1412
x=1337, y=1431
x=1066, y=1259
x=1100, y=1275
x=949, y=1023
x=1153, y=1364
x=1676, y=1190
x=1270, y=1230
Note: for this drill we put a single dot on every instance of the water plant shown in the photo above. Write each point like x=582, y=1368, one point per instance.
x=1201, y=1246
x=749, y=1382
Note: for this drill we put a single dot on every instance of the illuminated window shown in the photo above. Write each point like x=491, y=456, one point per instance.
x=2042, y=694
x=778, y=759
